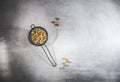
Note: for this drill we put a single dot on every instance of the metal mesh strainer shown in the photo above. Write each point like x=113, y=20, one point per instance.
x=38, y=36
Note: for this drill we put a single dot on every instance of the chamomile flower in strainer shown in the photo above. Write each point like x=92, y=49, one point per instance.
x=38, y=36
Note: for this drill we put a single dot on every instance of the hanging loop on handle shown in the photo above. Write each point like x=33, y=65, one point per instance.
x=32, y=26
x=49, y=55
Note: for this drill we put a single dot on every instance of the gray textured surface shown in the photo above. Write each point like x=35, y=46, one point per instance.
x=89, y=36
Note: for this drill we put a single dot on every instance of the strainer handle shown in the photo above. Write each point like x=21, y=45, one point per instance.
x=49, y=55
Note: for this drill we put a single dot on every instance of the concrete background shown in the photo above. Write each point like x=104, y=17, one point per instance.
x=88, y=36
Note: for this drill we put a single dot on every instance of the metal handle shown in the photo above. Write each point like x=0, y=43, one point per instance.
x=49, y=56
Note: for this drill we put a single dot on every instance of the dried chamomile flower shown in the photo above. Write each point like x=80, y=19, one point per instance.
x=56, y=22
x=38, y=36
